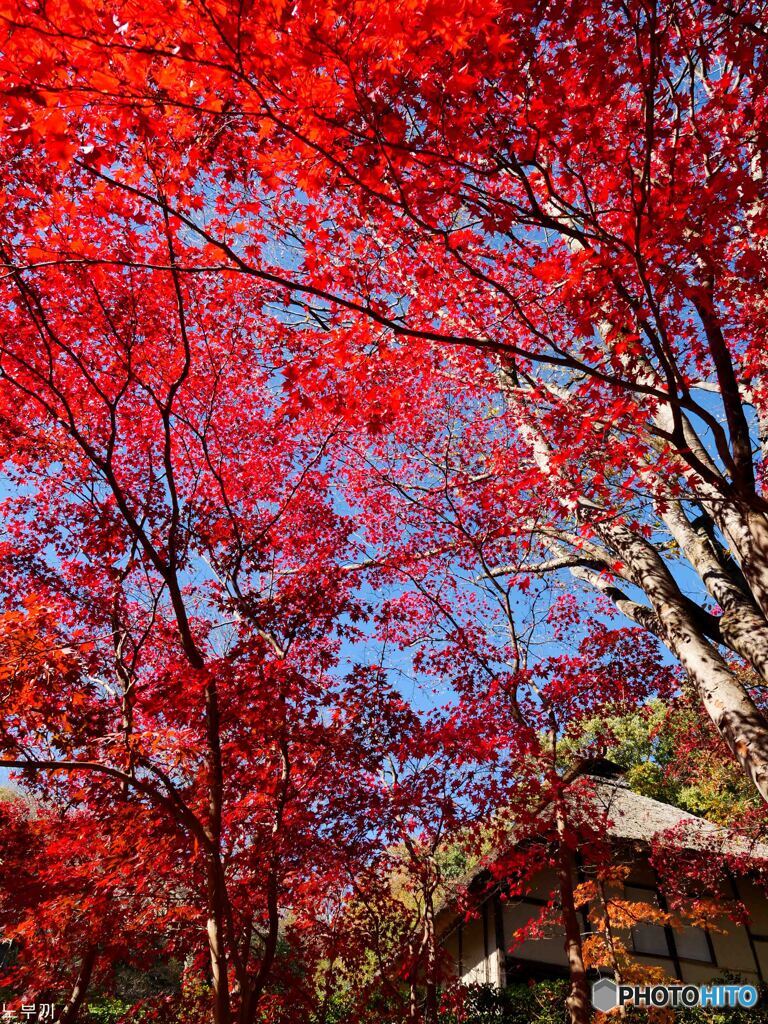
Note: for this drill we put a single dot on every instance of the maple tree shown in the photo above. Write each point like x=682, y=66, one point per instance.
x=299, y=294
x=173, y=615
x=570, y=192
x=70, y=910
x=529, y=685
x=434, y=794
x=574, y=192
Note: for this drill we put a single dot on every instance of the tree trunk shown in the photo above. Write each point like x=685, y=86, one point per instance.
x=577, y=1002
x=430, y=972
x=216, y=946
x=215, y=874
x=413, y=991
x=738, y=720
x=742, y=591
x=743, y=627
x=611, y=943
x=80, y=989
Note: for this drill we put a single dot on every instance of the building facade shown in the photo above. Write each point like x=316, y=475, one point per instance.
x=482, y=950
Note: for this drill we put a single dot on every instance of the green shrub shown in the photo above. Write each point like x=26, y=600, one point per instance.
x=540, y=1002
x=105, y=1011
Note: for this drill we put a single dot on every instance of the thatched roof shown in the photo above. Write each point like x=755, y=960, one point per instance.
x=600, y=796
x=631, y=816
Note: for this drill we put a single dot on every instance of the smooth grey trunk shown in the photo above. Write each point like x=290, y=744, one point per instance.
x=743, y=627
x=745, y=529
x=725, y=698
x=688, y=630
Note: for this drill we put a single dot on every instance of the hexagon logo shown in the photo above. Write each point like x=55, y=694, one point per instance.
x=604, y=995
